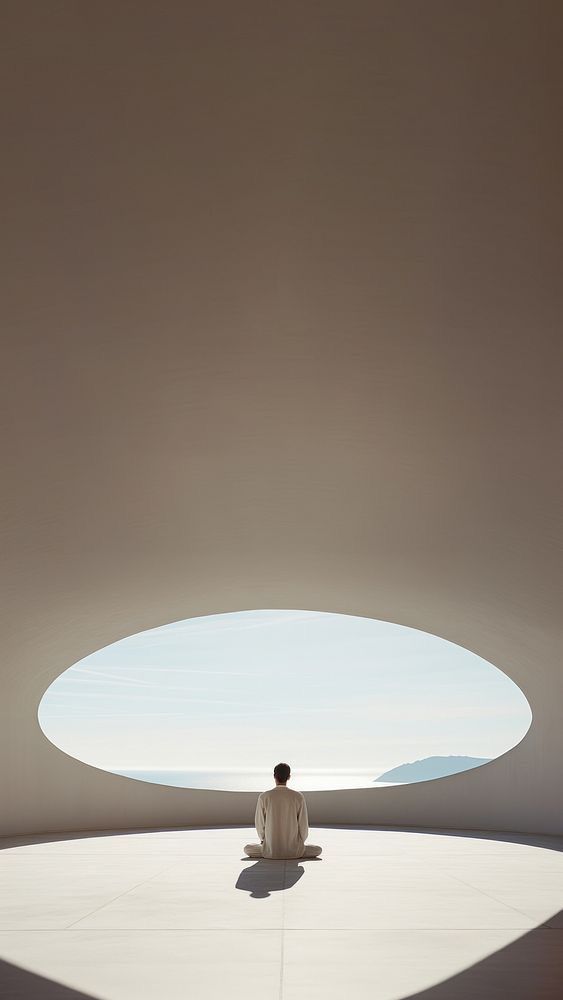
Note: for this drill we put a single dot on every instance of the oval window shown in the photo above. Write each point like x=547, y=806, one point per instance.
x=348, y=702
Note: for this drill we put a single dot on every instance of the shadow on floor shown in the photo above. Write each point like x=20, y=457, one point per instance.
x=267, y=876
x=17, y=984
x=551, y=842
x=530, y=968
x=29, y=840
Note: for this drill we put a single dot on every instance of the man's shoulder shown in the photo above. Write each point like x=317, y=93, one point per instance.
x=296, y=794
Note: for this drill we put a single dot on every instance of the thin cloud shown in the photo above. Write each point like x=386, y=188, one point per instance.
x=171, y=670
x=136, y=696
x=216, y=628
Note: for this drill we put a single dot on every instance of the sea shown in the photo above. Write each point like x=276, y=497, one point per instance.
x=256, y=780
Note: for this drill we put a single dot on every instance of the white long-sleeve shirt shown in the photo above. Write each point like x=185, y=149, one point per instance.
x=282, y=822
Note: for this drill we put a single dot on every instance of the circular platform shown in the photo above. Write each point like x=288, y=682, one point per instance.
x=383, y=914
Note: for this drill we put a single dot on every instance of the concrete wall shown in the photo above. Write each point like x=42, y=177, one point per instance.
x=281, y=329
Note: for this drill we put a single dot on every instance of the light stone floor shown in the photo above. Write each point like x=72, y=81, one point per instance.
x=383, y=914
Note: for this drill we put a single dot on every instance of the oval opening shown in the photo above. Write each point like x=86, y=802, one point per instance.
x=215, y=702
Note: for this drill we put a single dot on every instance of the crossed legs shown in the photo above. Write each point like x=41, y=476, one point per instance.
x=310, y=851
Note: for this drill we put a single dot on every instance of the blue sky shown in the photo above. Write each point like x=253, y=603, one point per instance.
x=247, y=689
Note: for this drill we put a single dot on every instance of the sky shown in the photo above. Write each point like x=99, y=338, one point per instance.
x=248, y=689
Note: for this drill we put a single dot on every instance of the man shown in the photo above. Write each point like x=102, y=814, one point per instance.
x=281, y=822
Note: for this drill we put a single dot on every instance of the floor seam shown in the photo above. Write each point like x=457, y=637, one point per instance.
x=282, y=939
x=109, y=901
x=290, y=930
x=494, y=898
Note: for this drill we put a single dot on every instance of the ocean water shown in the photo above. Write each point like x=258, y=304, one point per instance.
x=257, y=780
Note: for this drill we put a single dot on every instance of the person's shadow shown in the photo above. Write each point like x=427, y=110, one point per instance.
x=270, y=876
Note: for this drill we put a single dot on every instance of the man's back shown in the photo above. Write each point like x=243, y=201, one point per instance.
x=282, y=823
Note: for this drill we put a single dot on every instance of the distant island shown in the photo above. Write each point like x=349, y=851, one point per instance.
x=431, y=767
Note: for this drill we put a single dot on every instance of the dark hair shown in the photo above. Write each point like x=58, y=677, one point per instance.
x=282, y=772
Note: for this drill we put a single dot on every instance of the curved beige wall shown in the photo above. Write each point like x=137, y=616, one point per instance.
x=282, y=311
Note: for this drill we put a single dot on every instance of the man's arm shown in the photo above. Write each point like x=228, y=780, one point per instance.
x=303, y=819
x=260, y=818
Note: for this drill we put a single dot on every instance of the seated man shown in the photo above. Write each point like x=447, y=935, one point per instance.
x=281, y=822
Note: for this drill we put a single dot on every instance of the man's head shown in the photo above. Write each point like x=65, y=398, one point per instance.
x=282, y=773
